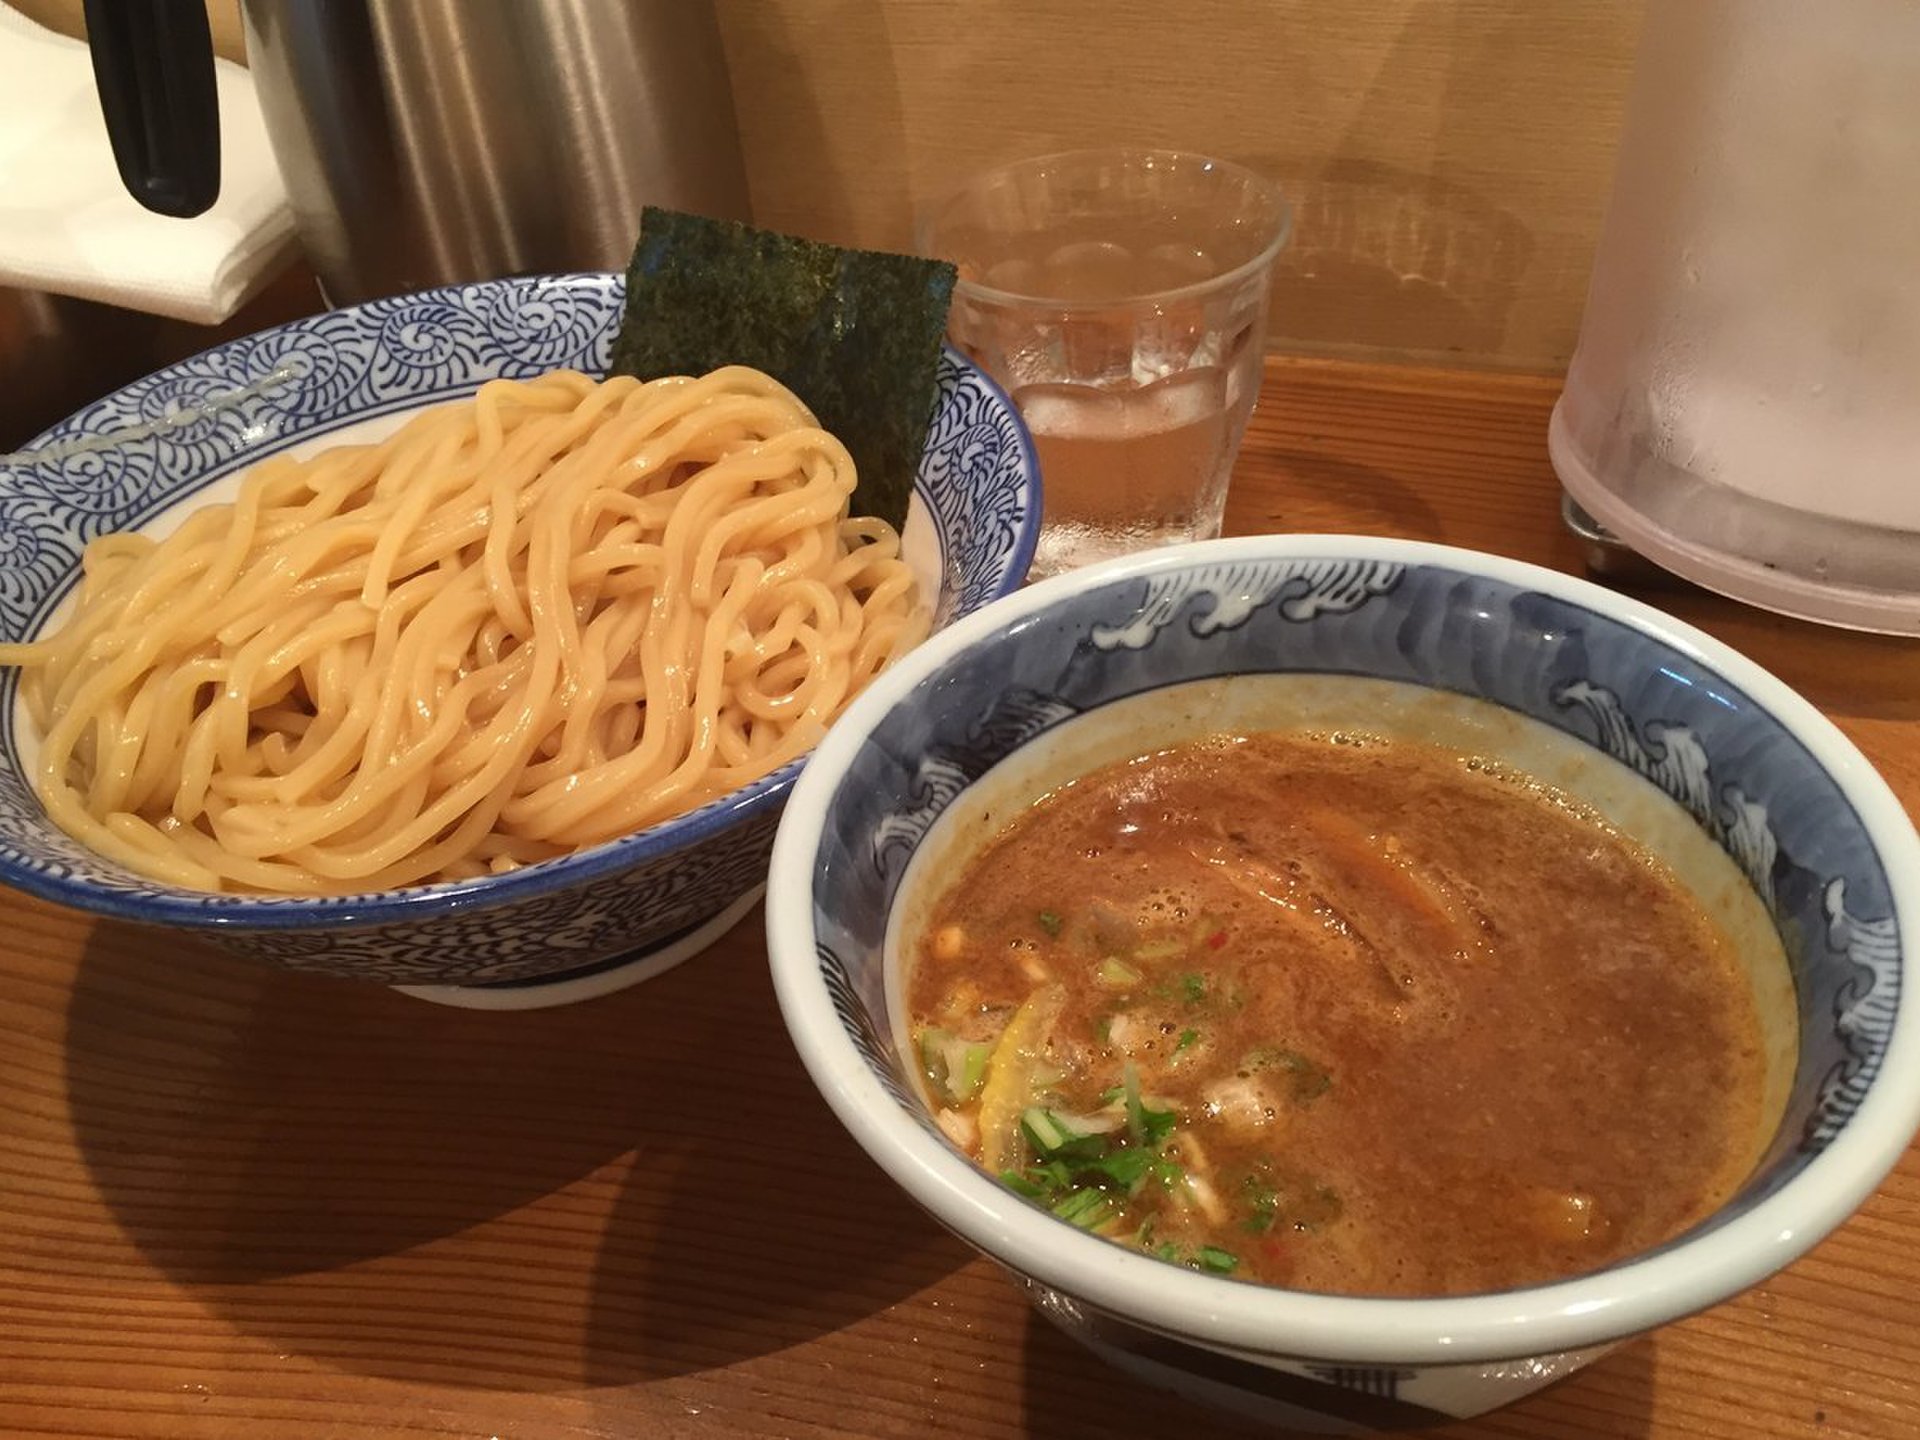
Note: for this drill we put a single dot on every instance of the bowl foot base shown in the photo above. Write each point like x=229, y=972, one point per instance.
x=592, y=981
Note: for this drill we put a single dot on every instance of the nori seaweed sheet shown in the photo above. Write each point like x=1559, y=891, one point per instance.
x=854, y=333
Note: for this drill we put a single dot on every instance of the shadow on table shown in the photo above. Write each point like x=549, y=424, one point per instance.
x=1068, y=1391
x=1325, y=493
x=639, y=1186
x=750, y=1221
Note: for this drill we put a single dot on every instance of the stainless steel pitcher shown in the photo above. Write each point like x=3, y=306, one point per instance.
x=430, y=141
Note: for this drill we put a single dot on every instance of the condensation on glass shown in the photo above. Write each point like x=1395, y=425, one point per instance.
x=1744, y=404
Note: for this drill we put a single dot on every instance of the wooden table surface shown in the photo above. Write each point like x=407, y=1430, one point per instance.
x=235, y=1202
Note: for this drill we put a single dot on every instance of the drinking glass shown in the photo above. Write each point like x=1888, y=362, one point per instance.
x=1120, y=297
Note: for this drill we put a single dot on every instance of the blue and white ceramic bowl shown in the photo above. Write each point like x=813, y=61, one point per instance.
x=181, y=437
x=1709, y=760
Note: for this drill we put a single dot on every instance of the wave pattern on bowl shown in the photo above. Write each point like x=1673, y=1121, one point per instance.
x=1746, y=780
x=144, y=449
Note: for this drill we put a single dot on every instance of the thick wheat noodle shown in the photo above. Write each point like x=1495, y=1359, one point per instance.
x=523, y=624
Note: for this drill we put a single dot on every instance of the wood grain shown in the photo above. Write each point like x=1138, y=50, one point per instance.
x=1448, y=160
x=235, y=1202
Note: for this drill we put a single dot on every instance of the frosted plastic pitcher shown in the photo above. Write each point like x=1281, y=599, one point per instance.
x=1744, y=404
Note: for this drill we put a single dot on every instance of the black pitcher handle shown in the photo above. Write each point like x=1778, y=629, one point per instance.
x=153, y=66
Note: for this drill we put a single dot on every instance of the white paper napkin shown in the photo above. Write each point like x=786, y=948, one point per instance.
x=67, y=224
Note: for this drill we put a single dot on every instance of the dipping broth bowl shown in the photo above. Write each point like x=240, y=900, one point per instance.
x=564, y=930
x=1754, y=799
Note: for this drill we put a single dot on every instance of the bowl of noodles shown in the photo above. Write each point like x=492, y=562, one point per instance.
x=276, y=673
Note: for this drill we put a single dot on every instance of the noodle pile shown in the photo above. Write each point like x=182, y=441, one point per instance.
x=524, y=624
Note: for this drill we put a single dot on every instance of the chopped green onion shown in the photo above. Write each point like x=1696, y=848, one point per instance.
x=1050, y=922
x=1263, y=1203
x=933, y=1043
x=1055, y=1135
x=1157, y=1123
x=1043, y=1182
x=1194, y=987
x=1208, y=1257
x=1290, y=1200
x=1187, y=1037
x=1148, y=1127
x=973, y=1073
x=1045, y=1131
x=1021, y=1185
x=1088, y=1209
x=1116, y=974
x=955, y=1068
x=1125, y=1167
x=936, y=1052
x=1220, y=1262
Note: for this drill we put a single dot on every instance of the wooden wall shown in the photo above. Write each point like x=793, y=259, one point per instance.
x=1448, y=159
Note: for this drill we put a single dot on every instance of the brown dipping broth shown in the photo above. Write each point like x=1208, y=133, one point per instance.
x=1360, y=1017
